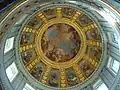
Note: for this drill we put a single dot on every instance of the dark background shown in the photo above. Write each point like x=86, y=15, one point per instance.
x=5, y=3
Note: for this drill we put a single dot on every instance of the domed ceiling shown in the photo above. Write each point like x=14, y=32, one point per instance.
x=61, y=46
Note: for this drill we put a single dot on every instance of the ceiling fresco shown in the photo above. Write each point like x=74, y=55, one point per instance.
x=60, y=43
x=61, y=47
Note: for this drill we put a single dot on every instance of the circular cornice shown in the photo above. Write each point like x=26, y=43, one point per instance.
x=50, y=87
x=61, y=6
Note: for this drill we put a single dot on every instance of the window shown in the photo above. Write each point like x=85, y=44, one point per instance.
x=113, y=65
x=115, y=38
x=21, y=20
x=28, y=87
x=9, y=44
x=109, y=16
x=102, y=87
x=11, y=71
x=99, y=85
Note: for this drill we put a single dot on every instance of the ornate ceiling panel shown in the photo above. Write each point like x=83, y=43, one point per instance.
x=61, y=47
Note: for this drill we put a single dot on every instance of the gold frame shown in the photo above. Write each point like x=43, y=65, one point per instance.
x=51, y=63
